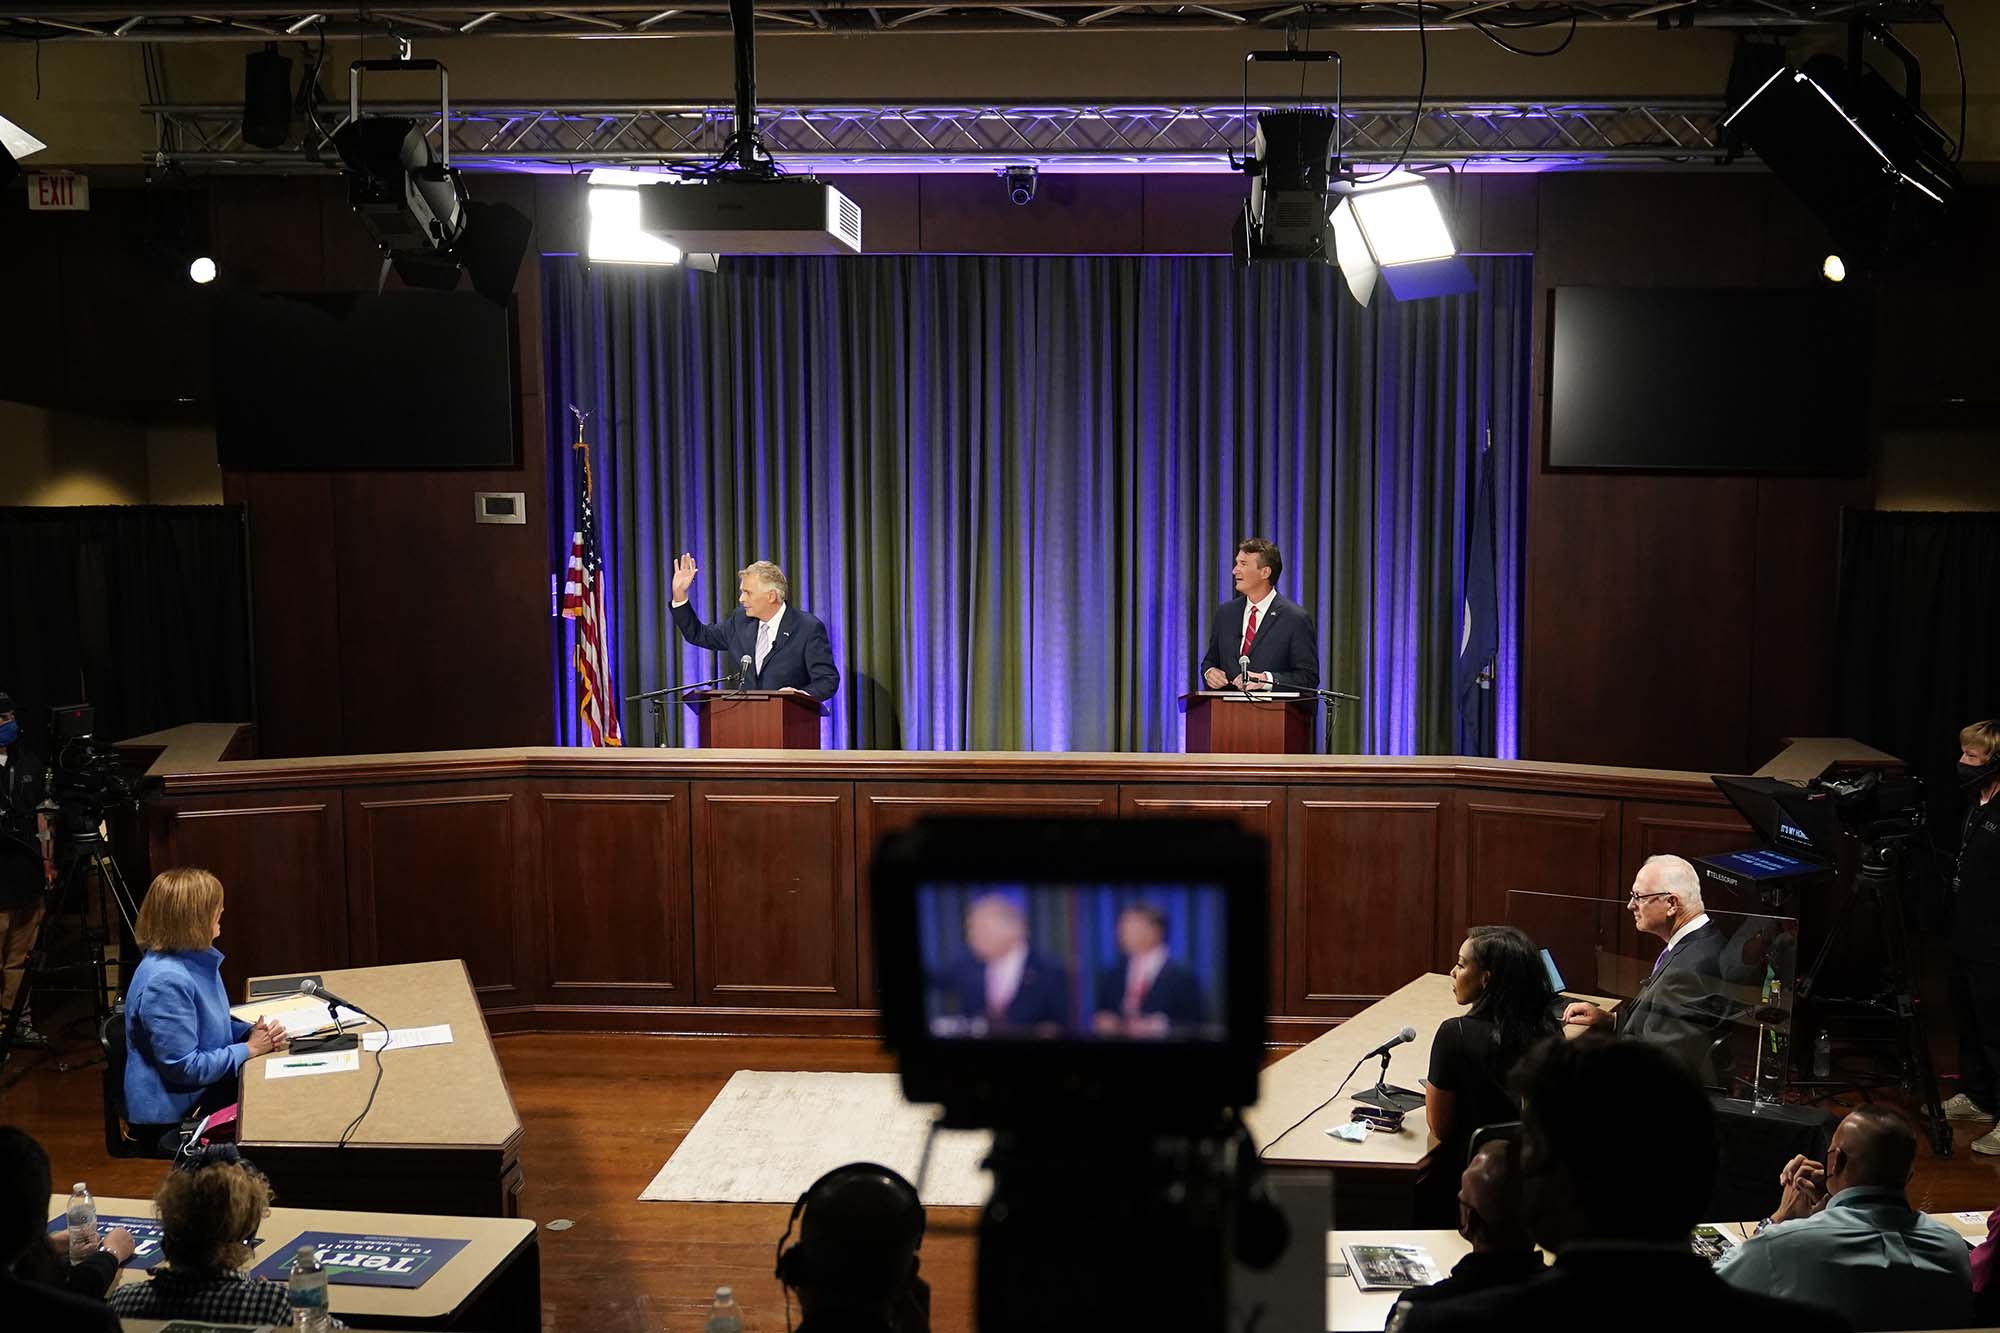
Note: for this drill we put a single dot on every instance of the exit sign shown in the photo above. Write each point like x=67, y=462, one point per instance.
x=62, y=190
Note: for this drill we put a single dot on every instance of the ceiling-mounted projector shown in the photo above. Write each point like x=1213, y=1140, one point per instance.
x=725, y=216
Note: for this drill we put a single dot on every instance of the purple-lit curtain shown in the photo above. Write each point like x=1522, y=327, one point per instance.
x=1012, y=487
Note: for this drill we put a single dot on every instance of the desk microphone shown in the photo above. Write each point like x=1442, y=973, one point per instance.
x=1406, y=1035
x=321, y=993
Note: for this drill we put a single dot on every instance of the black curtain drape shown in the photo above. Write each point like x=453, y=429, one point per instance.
x=138, y=609
x=1919, y=645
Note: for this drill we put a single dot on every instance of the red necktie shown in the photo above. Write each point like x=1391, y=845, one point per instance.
x=1249, y=633
x=1135, y=990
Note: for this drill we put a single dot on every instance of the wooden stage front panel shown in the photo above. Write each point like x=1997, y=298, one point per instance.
x=728, y=891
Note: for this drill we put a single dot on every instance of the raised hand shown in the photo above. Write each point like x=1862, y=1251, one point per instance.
x=684, y=571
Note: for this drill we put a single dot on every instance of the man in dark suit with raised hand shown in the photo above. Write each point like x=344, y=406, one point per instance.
x=1679, y=1004
x=1002, y=982
x=788, y=649
x=1275, y=633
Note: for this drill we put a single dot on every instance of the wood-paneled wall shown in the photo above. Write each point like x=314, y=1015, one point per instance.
x=686, y=891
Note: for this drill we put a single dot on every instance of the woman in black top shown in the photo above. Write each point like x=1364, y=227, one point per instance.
x=1499, y=976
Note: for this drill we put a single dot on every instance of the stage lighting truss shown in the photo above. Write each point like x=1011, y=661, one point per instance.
x=1164, y=135
x=252, y=21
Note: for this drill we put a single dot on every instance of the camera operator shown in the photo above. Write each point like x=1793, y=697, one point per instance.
x=1975, y=934
x=27, y=864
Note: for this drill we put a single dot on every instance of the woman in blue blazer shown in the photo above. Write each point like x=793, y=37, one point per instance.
x=183, y=1049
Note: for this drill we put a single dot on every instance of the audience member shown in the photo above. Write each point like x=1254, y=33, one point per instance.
x=89, y=1277
x=208, y=1222
x=1003, y=982
x=854, y=1266
x=1147, y=993
x=183, y=1049
x=1846, y=1238
x=1499, y=976
x=1676, y=1004
x=1617, y=1160
x=27, y=865
x=1985, y=1290
x=1489, y=1216
x=24, y=1212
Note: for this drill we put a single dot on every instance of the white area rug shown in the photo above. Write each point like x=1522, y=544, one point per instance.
x=768, y=1136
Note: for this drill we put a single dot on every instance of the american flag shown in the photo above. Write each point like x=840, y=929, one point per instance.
x=583, y=602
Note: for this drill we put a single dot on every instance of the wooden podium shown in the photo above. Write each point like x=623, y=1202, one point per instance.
x=756, y=719
x=1231, y=722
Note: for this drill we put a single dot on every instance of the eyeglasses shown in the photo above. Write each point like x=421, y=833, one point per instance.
x=1638, y=898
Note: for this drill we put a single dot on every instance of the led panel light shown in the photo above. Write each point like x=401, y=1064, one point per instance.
x=1392, y=229
x=615, y=237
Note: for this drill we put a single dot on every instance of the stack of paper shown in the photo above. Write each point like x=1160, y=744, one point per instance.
x=298, y=1015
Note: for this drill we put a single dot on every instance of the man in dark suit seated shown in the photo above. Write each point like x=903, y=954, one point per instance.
x=1489, y=1216
x=1275, y=633
x=1617, y=1161
x=788, y=649
x=1148, y=993
x=1001, y=982
x=1680, y=1005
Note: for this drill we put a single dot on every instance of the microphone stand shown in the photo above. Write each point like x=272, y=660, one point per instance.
x=1334, y=698
x=1386, y=1094
x=657, y=699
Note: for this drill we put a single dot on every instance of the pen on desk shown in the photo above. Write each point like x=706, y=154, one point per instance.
x=309, y=1064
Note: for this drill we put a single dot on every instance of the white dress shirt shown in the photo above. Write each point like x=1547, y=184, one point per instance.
x=1003, y=979
x=767, y=634
x=1687, y=928
x=1263, y=610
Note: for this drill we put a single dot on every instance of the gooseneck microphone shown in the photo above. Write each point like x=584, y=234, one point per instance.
x=1406, y=1035
x=319, y=992
x=743, y=665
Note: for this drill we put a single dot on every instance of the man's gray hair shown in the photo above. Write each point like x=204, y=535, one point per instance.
x=1675, y=875
x=769, y=575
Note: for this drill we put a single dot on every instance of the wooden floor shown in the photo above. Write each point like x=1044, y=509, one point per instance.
x=602, y=1113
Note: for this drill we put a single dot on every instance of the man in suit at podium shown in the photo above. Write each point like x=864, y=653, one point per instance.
x=1147, y=992
x=788, y=649
x=1001, y=980
x=1678, y=1005
x=1275, y=633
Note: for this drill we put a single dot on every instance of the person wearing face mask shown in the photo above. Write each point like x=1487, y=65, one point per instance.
x=1975, y=934
x=26, y=865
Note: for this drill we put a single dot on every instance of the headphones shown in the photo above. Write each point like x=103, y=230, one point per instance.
x=794, y=1266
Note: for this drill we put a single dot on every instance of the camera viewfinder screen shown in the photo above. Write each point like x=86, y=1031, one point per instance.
x=1074, y=962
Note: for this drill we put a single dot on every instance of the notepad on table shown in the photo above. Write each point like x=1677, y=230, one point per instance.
x=298, y=1015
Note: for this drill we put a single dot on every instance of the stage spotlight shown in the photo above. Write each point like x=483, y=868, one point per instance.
x=1020, y=184
x=406, y=199
x=1863, y=157
x=267, y=98
x=1289, y=165
x=15, y=143
x=1392, y=228
x=1834, y=269
x=615, y=236
x=201, y=270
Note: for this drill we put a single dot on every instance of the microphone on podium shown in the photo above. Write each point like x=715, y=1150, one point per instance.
x=1243, y=670
x=743, y=664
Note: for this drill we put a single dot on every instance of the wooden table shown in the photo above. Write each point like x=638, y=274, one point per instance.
x=442, y=1136
x=494, y=1283
x=1373, y=1179
x=1352, y=1310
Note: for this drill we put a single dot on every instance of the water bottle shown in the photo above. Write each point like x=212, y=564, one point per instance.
x=1774, y=1047
x=82, y=1222
x=1822, y=1054
x=725, y=1316
x=308, y=1292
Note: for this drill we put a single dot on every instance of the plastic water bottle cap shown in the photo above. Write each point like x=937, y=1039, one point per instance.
x=724, y=1294
x=79, y=1188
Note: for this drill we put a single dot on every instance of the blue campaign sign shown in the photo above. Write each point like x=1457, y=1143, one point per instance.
x=367, y=1261
x=145, y=1236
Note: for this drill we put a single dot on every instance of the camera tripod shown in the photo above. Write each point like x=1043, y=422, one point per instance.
x=90, y=867
x=1879, y=880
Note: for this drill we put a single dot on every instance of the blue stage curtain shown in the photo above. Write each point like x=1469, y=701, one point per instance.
x=1012, y=487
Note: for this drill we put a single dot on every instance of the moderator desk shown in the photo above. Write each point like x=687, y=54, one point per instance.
x=443, y=1135
x=493, y=1284
x=1373, y=1180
